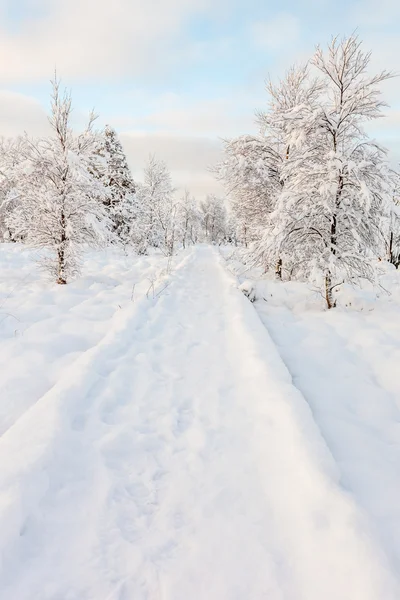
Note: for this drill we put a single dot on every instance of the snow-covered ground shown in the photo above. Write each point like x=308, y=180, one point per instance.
x=346, y=364
x=46, y=327
x=158, y=448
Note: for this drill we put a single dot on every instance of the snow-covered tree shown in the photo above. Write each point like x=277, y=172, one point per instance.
x=393, y=233
x=10, y=157
x=55, y=197
x=329, y=217
x=156, y=208
x=214, y=218
x=255, y=167
x=110, y=165
x=250, y=182
x=188, y=219
x=285, y=127
x=311, y=191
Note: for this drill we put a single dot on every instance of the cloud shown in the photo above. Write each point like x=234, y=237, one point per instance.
x=186, y=135
x=92, y=38
x=20, y=113
x=188, y=158
x=181, y=115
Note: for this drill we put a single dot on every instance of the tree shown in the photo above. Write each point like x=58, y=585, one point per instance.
x=285, y=127
x=188, y=219
x=249, y=181
x=56, y=196
x=157, y=209
x=255, y=167
x=393, y=237
x=214, y=218
x=110, y=165
x=330, y=214
x=10, y=157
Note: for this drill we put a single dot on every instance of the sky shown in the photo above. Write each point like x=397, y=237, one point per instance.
x=174, y=77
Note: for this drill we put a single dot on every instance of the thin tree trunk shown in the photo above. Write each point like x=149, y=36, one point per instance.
x=391, y=257
x=330, y=302
x=61, y=254
x=278, y=269
x=61, y=267
x=11, y=236
x=333, y=234
x=333, y=244
x=185, y=234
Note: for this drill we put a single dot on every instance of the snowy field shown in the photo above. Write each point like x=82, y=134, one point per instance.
x=154, y=446
x=346, y=364
x=44, y=328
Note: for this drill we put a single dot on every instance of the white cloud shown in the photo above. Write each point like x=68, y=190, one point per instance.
x=188, y=158
x=20, y=113
x=220, y=117
x=186, y=135
x=94, y=38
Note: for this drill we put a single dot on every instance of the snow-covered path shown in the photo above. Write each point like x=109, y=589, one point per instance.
x=175, y=460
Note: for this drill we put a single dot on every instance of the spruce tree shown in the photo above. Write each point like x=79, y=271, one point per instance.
x=112, y=168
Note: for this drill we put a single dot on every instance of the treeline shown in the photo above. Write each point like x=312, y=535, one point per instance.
x=314, y=197
x=66, y=191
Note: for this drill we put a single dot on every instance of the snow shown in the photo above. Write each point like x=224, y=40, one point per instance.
x=45, y=327
x=345, y=363
x=160, y=449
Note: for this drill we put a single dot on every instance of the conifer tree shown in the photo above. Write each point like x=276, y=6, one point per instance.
x=110, y=165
